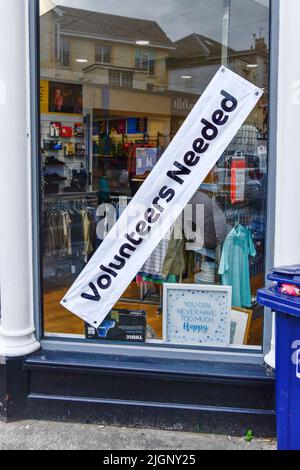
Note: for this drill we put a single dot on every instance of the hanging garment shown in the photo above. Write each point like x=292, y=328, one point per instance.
x=153, y=266
x=49, y=240
x=87, y=244
x=62, y=234
x=92, y=218
x=234, y=265
x=175, y=261
x=77, y=234
x=54, y=235
x=213, y=229
x=67, y=244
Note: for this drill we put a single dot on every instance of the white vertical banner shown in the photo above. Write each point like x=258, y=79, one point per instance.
x=196, y=148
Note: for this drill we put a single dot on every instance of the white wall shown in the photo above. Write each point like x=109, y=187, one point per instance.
x=287, y=197
x=287, y=234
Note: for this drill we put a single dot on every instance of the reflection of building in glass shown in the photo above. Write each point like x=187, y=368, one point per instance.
x=104, y=49
x=121, y=64
x=196, y=59
x=137, y=85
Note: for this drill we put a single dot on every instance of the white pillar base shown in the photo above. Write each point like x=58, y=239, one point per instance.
x=270, y=357
x=17, y=346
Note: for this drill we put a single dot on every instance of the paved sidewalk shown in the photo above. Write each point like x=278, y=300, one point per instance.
x=41, y=435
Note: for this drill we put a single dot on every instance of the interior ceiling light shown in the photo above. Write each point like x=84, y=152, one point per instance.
x=252, y=66
x=186, y=77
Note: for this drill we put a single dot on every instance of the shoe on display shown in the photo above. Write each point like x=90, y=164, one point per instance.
x=54, y=161
x=55, y=177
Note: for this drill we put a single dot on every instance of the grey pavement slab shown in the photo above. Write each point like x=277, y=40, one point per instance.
x=41, y=435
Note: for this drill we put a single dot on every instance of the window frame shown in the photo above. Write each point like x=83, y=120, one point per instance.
x=102, y=46
x=69, y=343
x=122, y=79
x=150, y=61
x=57, y=46
x=65, y=40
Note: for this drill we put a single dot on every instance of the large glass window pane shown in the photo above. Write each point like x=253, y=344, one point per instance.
x=118, y=79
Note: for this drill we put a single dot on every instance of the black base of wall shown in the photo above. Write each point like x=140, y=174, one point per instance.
x=153, y=417
x=182, y=395
x=13, y=389
x=3, y=388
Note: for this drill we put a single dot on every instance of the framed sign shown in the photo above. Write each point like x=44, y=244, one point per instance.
x=240, y=325
x=197, y=314
x=146, y=159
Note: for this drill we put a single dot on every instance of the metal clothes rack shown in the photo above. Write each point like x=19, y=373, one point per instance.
x=71, y=196
x=69, y=201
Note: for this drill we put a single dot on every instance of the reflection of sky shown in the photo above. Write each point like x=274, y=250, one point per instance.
x=179, y=18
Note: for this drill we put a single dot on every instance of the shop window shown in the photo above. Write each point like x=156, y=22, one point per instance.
x=103, y=53
x=103, y=129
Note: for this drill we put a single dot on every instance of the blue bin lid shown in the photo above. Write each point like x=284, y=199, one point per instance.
x=286, y=275
x=272, y=298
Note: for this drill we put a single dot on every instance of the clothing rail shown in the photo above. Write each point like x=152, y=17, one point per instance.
x=68, y=204
x=70, y=196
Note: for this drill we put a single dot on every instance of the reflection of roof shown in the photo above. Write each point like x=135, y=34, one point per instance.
x=112, y=27
x=196, y=45
x=195, y=49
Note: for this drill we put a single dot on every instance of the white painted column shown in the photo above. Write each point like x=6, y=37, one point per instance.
x=270, y=357
x=16, y=271
x=287, y=232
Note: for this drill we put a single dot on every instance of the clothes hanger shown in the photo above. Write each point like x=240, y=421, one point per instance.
x=237, y=222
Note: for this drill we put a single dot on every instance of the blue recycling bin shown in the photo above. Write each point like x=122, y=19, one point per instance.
x=287, y=309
